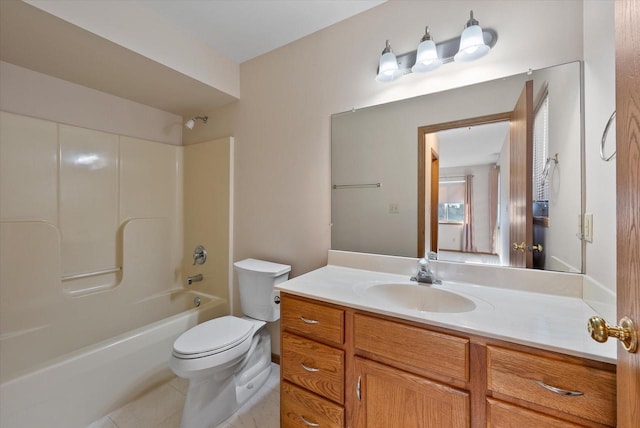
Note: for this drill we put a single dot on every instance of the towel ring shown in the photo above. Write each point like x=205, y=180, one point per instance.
x=604, y=139
x=547, y=166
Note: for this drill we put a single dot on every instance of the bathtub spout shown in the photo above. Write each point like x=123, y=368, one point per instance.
x=194, y=278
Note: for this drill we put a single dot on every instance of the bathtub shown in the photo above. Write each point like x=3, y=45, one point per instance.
x=74, y=389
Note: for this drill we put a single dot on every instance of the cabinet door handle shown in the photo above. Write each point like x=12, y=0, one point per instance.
x=358, y=389
x=307, y=423
x=558, y=390
x=309, y=369
x=308, y=321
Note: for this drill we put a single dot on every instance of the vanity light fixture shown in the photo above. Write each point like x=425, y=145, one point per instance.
x=192, y=122
x=474, y=43
x=388, y=66
x=427, y=55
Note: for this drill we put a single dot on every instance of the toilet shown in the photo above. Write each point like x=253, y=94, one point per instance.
x=228, y=359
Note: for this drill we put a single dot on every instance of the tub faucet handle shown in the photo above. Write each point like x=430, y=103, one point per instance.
x=199, y=255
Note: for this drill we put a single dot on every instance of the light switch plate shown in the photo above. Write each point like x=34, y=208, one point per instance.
x=588, y=227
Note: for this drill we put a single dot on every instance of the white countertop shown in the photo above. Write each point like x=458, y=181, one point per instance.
x=545, y=321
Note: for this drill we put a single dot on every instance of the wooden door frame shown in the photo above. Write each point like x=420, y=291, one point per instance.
x=422, y=149
x=434, y=198
x=627, y=19
x=520, y=178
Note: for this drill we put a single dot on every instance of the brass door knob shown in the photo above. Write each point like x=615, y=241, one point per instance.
x=519, y=247
x=537, y=247
x=626, y=332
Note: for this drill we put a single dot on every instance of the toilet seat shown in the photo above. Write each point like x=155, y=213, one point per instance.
x=212, y=337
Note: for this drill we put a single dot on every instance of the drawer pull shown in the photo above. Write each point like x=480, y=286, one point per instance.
x=558, y=390
x=308, y=321
x=307, y=423
x=309, y=369
x=358, y=389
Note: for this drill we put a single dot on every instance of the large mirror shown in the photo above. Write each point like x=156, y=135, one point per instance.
x=489, y=173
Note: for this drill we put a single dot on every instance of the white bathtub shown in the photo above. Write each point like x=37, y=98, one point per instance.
x=77, y=388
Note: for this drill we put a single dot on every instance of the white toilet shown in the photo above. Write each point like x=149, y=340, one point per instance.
x=228, y=359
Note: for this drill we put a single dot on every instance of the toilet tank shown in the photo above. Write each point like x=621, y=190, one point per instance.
x=256, y=280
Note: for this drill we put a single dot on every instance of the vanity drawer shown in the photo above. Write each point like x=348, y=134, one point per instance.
x=298, y=406
x=314, y=366
x=424, y=351
x=521, y=376
x=504, y=415
x=314, y=320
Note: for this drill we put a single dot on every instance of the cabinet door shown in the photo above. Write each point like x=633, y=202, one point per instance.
x=389, y=398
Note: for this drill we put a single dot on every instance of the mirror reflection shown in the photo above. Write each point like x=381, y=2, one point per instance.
x=489, y=173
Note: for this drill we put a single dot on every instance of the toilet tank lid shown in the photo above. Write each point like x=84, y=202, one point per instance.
x=270, y=268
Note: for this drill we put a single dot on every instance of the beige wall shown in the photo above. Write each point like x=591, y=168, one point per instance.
x=599, y=81
x=281, y=124
x=207, y=195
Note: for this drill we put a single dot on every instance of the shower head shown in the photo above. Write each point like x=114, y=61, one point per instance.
x=191, y=122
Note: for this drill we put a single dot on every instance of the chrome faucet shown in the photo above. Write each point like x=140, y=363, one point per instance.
x=425, y=275
x=194, y=278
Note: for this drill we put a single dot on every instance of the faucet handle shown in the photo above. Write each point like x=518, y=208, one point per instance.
x=199, y=255
x=423, y=264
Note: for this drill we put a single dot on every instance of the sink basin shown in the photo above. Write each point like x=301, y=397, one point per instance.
x=420, y=298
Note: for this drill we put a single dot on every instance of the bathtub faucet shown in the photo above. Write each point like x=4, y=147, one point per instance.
x=194, y=278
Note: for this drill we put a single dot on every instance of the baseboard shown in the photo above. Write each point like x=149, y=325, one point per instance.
x=275, y=358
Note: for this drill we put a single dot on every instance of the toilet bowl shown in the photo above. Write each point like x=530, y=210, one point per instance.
x=228, y=359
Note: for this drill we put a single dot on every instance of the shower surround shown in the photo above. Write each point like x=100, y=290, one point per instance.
x=91, y=264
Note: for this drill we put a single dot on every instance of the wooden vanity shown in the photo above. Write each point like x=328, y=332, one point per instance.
x=344, y=367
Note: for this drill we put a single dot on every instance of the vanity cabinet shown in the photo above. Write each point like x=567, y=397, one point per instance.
x=312, y=364
x=343, y=367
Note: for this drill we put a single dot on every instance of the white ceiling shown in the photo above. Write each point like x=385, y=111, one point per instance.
x=474, y=145
x=244, y=29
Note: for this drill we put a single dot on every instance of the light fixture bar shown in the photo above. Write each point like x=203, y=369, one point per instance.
x=446, y=51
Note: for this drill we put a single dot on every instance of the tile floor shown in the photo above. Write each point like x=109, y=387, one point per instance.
x=162, y=408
